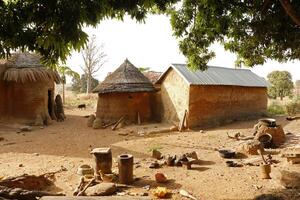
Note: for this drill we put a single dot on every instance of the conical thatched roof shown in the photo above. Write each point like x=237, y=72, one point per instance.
x=26, y=67
x=127, y=78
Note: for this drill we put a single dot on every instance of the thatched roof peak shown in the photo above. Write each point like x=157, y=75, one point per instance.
x=26, y=67
x=127, y=78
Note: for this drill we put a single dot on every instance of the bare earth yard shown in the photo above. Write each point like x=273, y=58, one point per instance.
x=68, y=144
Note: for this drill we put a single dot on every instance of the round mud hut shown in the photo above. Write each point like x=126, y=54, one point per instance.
x=26, y=89
x=124, y=93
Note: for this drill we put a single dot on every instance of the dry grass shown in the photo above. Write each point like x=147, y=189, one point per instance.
x=73, y=99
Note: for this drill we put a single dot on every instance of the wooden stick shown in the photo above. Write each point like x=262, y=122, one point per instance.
x=181, y=126
x=138, y=118
x=263, y=158
x=110, y=124
x=79, y=187
x=86, y=187
x=118, y=122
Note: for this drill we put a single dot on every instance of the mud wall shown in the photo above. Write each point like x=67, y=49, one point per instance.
x=174, y=97
x=25, y=101
x=215, y=105
x=112, y=106
x=2, y=99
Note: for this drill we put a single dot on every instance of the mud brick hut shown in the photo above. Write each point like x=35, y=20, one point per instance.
x=211, y=97
x=26, y=89
x=125, y=92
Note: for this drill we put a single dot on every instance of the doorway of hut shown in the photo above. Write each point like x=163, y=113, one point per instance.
x=50, y=103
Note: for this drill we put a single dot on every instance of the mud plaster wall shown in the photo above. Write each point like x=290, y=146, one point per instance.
x=214, y=105
x=24, y=101
x=115, y=105
x=174, y=97
x=2, y=99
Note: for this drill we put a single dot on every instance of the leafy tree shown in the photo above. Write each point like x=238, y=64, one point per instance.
x=94, y=58
x=256, y=30
x=143, y=69
x=80, y=85
x=281, y=84
x=66, y=71
x=54, y=28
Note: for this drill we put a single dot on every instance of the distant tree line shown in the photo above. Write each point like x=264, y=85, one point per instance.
x=80, y=85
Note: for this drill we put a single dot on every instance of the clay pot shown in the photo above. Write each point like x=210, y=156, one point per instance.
x=85, y=170
x=266, y=140
x=226, y=153
x=265, y=171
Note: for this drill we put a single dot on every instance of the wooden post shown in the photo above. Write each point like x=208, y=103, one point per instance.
x=181, y=126
x=125, y=165
x=138, y=118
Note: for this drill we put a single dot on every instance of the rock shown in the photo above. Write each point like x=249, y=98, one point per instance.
x=192, y=155
x=21, y=165
x=97, y=123
x=102, y=189
x=1, y=139
x=123, y=134
x=160, y=178
x=36, y=154
x=39, y=121
x=250, y=147
x=141, y=133
x=154, y=165
x=289, y=179
x=26, y=128
x=90, y=120
x=201, y=131
x=173, y=128
x=156, y=154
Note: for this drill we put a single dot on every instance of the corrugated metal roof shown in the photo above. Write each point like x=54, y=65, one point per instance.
x=218, y=76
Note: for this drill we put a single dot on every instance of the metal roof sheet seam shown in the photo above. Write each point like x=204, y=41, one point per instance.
x=218, y=76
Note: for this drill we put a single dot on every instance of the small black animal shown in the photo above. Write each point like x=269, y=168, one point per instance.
x=81, y=106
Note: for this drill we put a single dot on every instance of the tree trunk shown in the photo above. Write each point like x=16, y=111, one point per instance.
x=63, y=92
x=88, y=84
x=286, y=4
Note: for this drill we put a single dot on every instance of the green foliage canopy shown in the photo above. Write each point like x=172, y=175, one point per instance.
x=256, y=30
x=281, y=84
x=54, y=28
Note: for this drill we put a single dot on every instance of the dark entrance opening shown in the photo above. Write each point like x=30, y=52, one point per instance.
x=50, y=103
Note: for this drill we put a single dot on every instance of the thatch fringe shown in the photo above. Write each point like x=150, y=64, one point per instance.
x=31, y=75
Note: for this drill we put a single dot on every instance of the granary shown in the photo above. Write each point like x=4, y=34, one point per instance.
x=210, y=97
x=26, y=89
x=125, y=92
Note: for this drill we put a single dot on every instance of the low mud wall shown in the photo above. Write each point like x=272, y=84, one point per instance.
x=112, y=106
x=215, y=105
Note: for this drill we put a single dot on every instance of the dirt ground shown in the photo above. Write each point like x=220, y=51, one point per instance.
x=68, y=144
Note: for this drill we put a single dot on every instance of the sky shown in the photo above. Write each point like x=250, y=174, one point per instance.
x=151, y=44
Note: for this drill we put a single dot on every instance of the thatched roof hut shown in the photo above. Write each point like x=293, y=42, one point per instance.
x=26, y=88
x=125, y=92
x=127, y=78
x=26, y=67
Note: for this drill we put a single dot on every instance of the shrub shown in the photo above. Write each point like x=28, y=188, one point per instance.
x=276, y=109
x=293, y=107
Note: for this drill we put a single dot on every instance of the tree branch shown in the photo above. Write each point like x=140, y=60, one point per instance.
x=286, y=4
